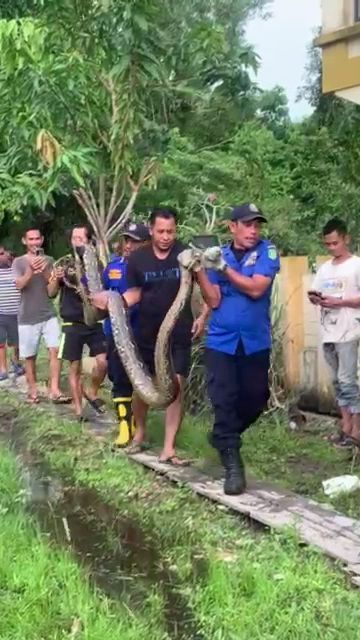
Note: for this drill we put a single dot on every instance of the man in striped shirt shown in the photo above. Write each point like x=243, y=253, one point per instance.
x=9, y=306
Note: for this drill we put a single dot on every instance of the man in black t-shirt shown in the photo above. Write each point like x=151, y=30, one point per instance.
x=76, y=334
x=153, y=282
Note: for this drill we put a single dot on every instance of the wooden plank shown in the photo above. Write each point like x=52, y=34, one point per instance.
x=336, y=535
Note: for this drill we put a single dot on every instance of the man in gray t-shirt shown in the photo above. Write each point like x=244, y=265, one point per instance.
x=37, y=316
x=35, y=304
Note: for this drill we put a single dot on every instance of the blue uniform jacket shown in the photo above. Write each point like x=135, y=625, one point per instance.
x=114, y=279
x=240, y=317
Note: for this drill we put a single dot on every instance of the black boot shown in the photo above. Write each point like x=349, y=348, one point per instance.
x=235, y=482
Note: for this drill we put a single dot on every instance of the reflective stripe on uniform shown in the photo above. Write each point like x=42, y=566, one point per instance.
x=61, y=346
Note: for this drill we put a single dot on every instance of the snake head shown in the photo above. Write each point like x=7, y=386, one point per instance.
x=212, y=259
x=190, y=259
x=80, y=252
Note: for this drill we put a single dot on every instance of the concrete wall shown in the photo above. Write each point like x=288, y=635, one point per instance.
x=340, y=42
x=336, y=14
x=353, y=94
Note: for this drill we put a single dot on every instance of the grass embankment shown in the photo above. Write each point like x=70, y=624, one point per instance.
x=44, y=595
x=258, y=587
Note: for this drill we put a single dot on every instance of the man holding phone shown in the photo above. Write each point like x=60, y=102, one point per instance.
x=37, y=316
x=336, y=290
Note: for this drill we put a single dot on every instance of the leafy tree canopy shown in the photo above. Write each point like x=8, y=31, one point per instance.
x=95, y=87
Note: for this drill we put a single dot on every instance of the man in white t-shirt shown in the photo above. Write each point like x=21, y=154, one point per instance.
x=336, y=290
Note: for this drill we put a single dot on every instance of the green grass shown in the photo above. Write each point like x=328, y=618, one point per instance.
x=44, y=595
x=298, y=461
x=249, y=585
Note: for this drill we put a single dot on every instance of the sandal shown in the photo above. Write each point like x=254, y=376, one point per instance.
x=136, y=447
x=335, y=437
x=344, y=442
x=61, y=399
x=32, y=399
x=98, y=405
x=174, y=461
x=354, y=441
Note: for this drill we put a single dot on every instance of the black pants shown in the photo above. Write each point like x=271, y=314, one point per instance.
x=122, y=388
x=238, y=387
x=121, y=385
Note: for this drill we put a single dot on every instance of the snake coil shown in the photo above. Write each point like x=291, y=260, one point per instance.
x=158, y=391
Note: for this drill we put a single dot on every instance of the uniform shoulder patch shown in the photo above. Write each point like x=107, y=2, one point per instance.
x=272, y=252
x=115, y=274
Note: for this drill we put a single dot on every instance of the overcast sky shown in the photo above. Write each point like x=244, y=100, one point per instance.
x=282, y=43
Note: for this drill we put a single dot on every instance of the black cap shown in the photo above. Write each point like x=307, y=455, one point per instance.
x=137, y=231
x=246, y=213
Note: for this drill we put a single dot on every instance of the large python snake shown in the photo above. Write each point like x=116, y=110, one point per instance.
x=73, y=278
x=161, y=390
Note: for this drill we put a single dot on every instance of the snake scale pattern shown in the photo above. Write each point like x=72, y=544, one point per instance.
x=160, y=391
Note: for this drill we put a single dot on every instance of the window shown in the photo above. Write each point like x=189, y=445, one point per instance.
x=357, y=10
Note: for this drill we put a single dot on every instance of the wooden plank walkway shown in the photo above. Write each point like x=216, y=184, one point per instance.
x=336, y=535
x=319, y=525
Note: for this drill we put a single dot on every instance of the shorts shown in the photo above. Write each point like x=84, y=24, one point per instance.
x=30, y=336
x=76, y=336
x=181, y=357
x=9, y=331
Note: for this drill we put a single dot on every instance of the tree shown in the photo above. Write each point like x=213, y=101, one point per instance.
x=85, y=106
x=98, y=85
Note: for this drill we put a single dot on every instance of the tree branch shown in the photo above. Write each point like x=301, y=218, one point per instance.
x=123, y=217
x=102, y=203
x=93, y=204
x=85, y=204
x=145, y=175
x=114, y=203
x=113, y=193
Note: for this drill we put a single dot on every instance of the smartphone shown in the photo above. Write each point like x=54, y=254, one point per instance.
x=205, y=241
x=39, y=251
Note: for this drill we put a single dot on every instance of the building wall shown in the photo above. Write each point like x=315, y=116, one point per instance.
x=336, y=14
x=352, y=94
x=340, y=43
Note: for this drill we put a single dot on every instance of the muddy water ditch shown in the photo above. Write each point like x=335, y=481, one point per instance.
x=120, y=558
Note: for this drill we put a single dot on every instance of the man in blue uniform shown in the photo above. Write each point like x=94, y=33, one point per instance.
x=114, y=278
x=239, y=337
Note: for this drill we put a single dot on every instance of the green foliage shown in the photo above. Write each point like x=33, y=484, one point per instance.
x=142, y=95
x=300, y=179
x=91, y=101
x=108, y=80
